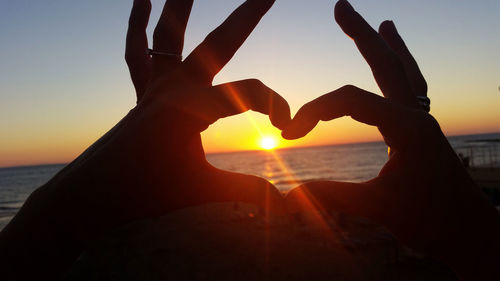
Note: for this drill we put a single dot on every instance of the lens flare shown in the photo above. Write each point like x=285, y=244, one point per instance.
x=268, y=143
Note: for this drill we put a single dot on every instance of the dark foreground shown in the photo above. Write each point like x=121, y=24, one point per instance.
x=231, y=241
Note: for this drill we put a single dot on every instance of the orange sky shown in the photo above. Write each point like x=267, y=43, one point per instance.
x=231, y=134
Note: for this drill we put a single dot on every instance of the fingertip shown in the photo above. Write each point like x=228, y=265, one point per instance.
x=286, y=134
x=343, y=5
x=388, y=29
x=304, y=121
x=347, y=18
x=280, y=122
x=291, y=132
x=388, y=25
x=144, y=5
x=279, y=109
x=342, y=9
x=281, y=117
x=139, y=16
x=280, y=113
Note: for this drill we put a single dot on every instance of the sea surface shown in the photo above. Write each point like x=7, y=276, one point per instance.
x=284, y=168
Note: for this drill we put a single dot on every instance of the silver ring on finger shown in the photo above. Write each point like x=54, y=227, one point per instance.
x=152, y=52
x=424, y=102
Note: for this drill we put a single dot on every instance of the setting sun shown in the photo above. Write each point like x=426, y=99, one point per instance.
x=268, y=143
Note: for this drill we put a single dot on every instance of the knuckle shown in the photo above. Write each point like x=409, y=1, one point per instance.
x=426, y=125
x=212, y=36
x=210, y=40
x=421, y=88
x=261, y=86
x=258, y=87
x=349, y=88
x=131, y=58
x=157, y=33
x=349, y=93
x=255, y=82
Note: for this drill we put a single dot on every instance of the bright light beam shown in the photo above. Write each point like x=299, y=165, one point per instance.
x=268, y=143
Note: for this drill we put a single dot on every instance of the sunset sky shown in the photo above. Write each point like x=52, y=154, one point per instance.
x=64, y=82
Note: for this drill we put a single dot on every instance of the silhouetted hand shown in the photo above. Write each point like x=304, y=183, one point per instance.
x=153, y=161
x=423, y=194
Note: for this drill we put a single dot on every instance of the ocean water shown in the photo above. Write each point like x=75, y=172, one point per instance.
x=17, y=183
x=284, y=168
x=290, y=167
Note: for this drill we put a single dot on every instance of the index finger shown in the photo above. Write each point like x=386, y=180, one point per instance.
x=384, y=63
x=222, y=43
x=237, y=97
x=363, y=106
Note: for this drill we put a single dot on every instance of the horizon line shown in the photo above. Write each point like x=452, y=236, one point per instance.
x=252, y=150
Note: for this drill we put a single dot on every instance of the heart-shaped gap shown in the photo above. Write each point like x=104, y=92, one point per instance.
x=239, y=144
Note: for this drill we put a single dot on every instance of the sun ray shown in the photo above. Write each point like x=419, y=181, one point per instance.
x=269, y=143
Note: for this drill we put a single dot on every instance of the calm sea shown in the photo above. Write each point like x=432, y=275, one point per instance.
x=284, y=168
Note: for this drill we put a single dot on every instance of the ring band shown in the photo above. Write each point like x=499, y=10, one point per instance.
x=152, y=52
x=424, y=102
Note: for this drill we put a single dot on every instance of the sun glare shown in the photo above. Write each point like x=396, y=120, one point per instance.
x=268, y=143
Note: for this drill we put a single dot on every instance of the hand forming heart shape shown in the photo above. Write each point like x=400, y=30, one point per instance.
x=165, y=158
x=423, y=194
x=153, y=162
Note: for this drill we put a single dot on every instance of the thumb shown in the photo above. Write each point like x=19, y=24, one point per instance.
x=248, y=189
